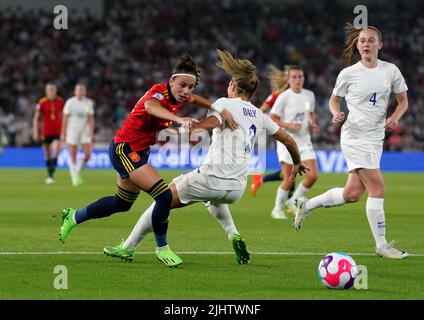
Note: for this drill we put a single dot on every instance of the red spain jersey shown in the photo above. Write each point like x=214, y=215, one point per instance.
x=51, y=111
x=140, y=128
x=270, y=100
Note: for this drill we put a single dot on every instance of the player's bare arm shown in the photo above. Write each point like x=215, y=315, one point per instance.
x=154, y=108
x=209, y=123
x=402, y=101
x=35, y=135
x=313, y=121
x=288, y=141
x=334, y=104
x=292, y=126
x=64, y=127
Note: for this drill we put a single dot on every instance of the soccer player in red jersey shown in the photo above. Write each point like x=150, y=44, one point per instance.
x=278, y=82
x=129, y=153
x=50, y=109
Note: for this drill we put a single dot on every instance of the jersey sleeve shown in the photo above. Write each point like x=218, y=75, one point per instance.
x=279, y=105
x=340, y=89
x=38, y=107
x=270, y=126
x=219, y=102
x=398, y=82
x=216, y=114
x=91, y=108
x=67, y=107
x=312, y=102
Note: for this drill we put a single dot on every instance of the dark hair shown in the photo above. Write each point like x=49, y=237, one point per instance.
x=186, y=64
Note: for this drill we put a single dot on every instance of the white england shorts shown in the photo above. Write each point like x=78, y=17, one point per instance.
x=191, y=189
x=77, y=136
x=306, y=153
x=362, y=156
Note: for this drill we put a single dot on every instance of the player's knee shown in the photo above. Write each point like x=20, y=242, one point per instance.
x=124, y=199
x=352, y=196
x=165, y=197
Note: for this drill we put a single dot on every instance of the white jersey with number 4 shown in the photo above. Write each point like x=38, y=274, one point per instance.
x=367, y=92
x=295, y=107
x=227, y=162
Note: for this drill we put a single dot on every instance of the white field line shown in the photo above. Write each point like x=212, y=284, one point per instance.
x=195, y=252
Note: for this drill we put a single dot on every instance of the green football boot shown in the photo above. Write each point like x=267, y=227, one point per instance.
x=168, y=257
x=67, y=224
x=120, y=252
x=239, y=246
x=78, y=180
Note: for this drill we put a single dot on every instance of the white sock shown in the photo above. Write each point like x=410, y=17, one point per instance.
x=301, y=190
x=280, y=198
x=72, y=170
x=222, y=213
x=80, y=167
x=331, y=198
x=376, y=219
x=142, y=228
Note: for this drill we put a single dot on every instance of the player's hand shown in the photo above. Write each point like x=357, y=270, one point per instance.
x=315, y=128
x=35, y=137
x=228, y=120
x=187, y=122
x=62, y=138
x=298, y=169
x=294, y=126
x=391, y=124
x=338, y=117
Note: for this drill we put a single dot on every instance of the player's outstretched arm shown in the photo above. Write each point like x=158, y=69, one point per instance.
x=155, y=109
x=35, y=136
x=209, y=123
x=288, y=141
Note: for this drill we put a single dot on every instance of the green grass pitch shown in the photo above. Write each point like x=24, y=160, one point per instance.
x=283, y=264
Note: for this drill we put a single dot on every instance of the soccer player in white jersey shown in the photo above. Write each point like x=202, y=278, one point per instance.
x=222, y=177
x=366, y=87
x=294, y=111
x=78, y=129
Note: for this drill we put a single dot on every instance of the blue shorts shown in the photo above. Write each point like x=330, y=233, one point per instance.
x=124, y=160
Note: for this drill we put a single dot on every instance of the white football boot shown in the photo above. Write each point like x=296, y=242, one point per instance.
x=389, y=251
x=300, y=213
x=278, y=214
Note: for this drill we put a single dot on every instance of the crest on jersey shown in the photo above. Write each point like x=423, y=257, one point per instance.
x=386, y=83
x=158, y=96
x=134, y=156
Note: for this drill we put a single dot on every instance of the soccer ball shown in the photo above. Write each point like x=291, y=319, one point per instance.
x=337, y=270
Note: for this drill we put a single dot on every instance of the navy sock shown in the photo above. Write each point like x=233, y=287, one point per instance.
x=275, y=176
x=122, y=201
x=48, y=166
x=163, y=197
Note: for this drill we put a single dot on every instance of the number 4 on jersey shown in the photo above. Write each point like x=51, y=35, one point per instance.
x=373, y=99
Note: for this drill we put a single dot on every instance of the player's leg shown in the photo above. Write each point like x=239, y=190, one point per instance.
x=311, y=176
x=374, y=183
x=125, y=195
x=351, y=192
x=282, y=192
x=258, y=179
x=55, y=153
x=221, y=212
x=47, y=157
x=73, y=151
x=87, y=149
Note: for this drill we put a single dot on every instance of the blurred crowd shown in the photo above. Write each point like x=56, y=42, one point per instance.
x=135, y=44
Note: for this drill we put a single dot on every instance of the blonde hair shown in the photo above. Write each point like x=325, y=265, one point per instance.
x=351, y=41
x=277, y=79
x=242, y=71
